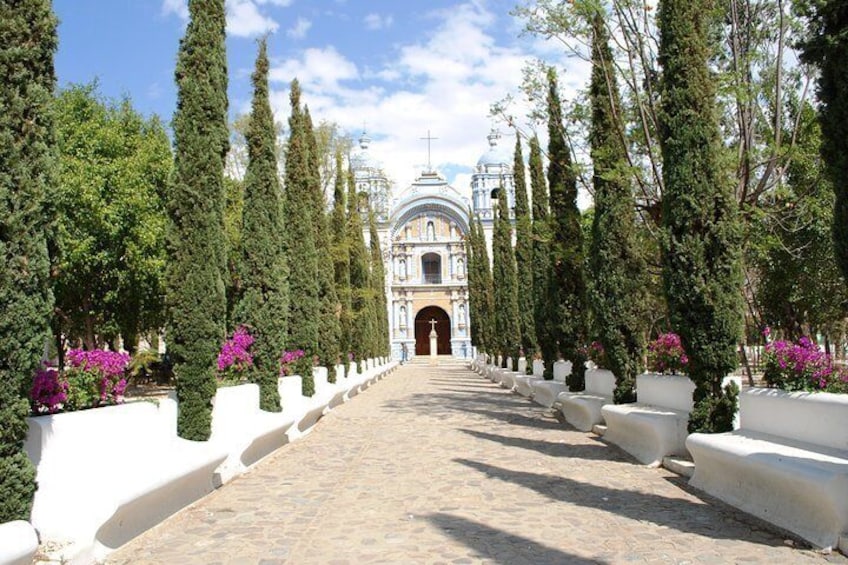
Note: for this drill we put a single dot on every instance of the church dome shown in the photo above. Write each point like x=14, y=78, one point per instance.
x=363, y=159
x=496, y=155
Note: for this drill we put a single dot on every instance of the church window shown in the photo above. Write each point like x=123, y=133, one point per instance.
x=431, y=267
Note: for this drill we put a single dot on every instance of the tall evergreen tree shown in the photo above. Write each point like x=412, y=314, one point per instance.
x=485, y=307
x=471, y=279
x=304, y=289
x=827, y=47
x=27, y=186
x=701, y=243
x=195, y=277
x=542, y=312
x=567, y=286
x=341, y=257
x=507, y=324
x=263, y=305
x=378, y=286
x=362, y=329
x=618, y=293
x=524, y=254
x=329, y=328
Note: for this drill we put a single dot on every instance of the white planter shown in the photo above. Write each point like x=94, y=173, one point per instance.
x=538, y=368
x=667, y=391
x=561, y=370
x=522, y=365
x=18, y=543
x=600, y=382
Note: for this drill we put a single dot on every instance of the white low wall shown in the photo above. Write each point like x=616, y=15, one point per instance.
x=600, y=382
x=18, y=543
x=562, y=369
x=538, y=368
x=667, y=391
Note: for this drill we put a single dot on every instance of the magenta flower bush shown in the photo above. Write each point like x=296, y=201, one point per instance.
x=802, y=366
x=666, y=355
x=235, y=359
x=288, y=358
x=595, y=353
x=49, y=391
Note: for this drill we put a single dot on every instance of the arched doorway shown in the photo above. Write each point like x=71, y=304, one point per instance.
x=423, y=327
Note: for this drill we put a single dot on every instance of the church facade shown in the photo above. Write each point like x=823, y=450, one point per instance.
x=422, y=231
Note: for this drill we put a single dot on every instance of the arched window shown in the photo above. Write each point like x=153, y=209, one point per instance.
x=431, y=267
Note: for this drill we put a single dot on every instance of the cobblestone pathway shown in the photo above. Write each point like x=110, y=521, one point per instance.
x=436, y=465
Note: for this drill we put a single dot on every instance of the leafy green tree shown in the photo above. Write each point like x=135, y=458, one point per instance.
x=701, y=244
x=378, y=285
x=27, y=186
x=542, y=312
x=524, y=254
x=618, y=290
x=328, y=320
x=471, y=280
x=567, y=287
x=304, y=284
x=827, y=47
x=507, y=325
x=362, y=327
x=115, y=166
x=263, y=306
x=197, y=267
x=482, y=296
x=341, y=258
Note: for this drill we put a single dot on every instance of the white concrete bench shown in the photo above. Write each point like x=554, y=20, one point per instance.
x=546, y=392
x=244, y=431
x=107, y=474
x=583, y=409
x=524, y=383
x=508, y=378
x=786, y=464
x=18, y=543
x=655, y=426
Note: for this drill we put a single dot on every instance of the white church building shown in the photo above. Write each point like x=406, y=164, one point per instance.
x=422, y=229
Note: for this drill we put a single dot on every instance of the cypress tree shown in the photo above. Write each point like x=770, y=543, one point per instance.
x=263, y=306
x=507, y=325
x=195, y=278
x=827, y=47
x=567, y=287
x=618, y=270
x=341, y=258
x=701, y=243
x=485, y=307
x=27, y=184
x=378, y=285
x=304, y=302
x=362, y=329
x=471, y=279
x=542, y=312
x=328, y=321
x=524, y=255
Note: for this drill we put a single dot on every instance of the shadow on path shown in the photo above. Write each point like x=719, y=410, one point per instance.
x=699, y=518
x=501, y=546
x=598, y=451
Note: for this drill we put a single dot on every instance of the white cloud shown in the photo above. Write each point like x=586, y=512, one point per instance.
x=444, y=81
x=176, y=7
x=376, y=21
x=298, y=31
x=244, y=17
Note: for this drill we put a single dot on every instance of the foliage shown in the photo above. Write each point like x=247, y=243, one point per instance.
x=340, y=253
x=27, y=190
x=362, y=314
x=566, y=287
x=264, y=300
x=618, y=292
x=304, y=289
x=378, y=285
x=329, y=327
x=480, y=289
x=49, y=391
x=542, y=313
x=524, y=254
x=196, y=268
x=235, y=359
x=701, y=258
x=827, y=46
x=596, y=353
x=507, y=331
x=114, y=167
x=95, y=378
x=802, y=366
x=667, y=356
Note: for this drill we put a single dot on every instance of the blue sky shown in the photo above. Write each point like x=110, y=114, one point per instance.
x=401, y=67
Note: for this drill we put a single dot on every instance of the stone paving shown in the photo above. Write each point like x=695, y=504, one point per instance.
x=434, y=464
